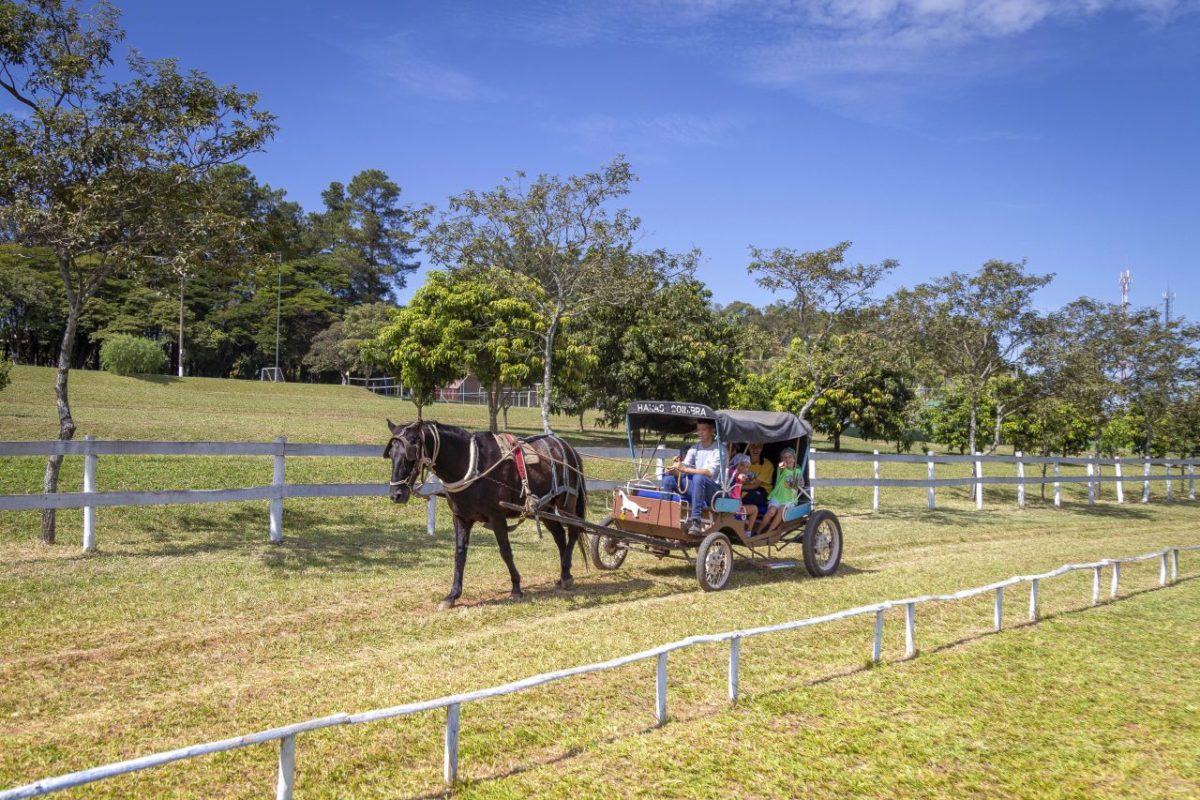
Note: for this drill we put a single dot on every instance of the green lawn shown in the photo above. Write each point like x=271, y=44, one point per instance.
x=187, y=626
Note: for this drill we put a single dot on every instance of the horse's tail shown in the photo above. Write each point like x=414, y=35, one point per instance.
x=580, y=505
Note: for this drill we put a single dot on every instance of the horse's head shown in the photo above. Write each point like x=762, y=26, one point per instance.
x=406, y=449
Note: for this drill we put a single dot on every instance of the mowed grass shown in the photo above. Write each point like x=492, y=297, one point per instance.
x=188, y=626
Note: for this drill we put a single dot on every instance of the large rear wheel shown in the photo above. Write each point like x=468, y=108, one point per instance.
x=822, y=544
x=608, y=552
x=714, y=562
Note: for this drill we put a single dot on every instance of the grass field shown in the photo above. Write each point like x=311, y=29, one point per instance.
x=188, y=627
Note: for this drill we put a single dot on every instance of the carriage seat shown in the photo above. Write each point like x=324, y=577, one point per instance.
x=656, y=494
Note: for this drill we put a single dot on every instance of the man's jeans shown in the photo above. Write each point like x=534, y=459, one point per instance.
x=698, y=488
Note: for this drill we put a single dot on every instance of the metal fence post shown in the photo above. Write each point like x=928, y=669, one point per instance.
x=735, y=656
x=1057, y=487
x=998, y=611
x=660, y=694
x=978, y=483
x=932, y=500
x=1120, y=483
x=277, y=500
x=1033, y=600
x=450, y=758
x=89, y=485
x=1091, y=472
x=877, y=647
x=287, y=768
x=1116, y=579
x=910, y=630
x=1020, y=481
x=875, y=496
x=1146, y=483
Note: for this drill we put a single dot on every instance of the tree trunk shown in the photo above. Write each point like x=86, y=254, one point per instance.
x=66, y=425
x=581, y=413
x=505, y=411
x=493, y=401
x=548, y=367
x=837, y=441
x=181, y=324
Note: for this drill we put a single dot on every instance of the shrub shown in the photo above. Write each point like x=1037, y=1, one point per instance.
x=5, y=366
x=131, y=355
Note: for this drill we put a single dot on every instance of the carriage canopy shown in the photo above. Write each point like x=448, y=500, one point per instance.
x=670, y=417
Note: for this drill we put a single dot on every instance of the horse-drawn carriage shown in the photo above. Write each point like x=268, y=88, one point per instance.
x=647, y=517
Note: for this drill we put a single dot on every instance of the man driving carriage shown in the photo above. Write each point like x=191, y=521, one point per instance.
x=696, y=474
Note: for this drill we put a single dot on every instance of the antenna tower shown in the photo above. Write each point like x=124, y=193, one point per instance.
x=1169, y=299
x=1126, y=280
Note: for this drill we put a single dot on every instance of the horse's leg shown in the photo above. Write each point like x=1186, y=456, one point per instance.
x=564, y=554
x=500, y=526
x=462, y=539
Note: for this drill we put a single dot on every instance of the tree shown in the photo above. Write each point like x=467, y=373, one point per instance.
x=974, y=327
x=367, y=234
x=829, y=297
x=340, y=347
x=105, y=174
x=559, y=234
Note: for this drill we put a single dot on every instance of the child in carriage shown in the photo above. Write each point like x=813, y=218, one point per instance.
x=786, y=491
x=740, y=473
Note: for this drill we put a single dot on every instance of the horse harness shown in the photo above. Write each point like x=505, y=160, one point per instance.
x=520, y=451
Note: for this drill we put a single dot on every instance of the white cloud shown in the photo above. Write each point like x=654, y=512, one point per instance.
x=396, y=60
x=633, y=134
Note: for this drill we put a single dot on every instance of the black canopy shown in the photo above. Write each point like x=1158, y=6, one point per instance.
x=666, y=416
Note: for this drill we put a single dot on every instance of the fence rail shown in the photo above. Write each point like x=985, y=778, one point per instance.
x=286, y=736
x=278, y=491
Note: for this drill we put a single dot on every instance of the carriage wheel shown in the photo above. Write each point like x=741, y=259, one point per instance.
x=608, y=552
x=714, y=562
x=822, y=544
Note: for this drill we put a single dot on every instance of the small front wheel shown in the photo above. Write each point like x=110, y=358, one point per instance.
x=714, y=562
x=608, y=552
x=822, y=544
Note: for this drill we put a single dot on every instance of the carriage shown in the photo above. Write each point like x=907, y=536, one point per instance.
x=645, y=517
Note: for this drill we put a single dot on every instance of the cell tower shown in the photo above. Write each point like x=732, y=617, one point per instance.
x=1169, y=299
x=1126, y=280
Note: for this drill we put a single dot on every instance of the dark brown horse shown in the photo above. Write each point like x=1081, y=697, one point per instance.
x=478, y=474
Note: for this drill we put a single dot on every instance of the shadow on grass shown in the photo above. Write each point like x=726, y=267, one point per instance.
x=964, y=517
x=164, y=380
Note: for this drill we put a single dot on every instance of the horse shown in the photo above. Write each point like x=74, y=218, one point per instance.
x=478, y=473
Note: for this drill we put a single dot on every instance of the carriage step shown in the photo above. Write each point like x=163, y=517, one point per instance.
x=780, y=564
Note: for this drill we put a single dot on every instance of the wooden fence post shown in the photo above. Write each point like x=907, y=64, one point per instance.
x=910, y=630
x=89, y=485
x=1096, y=585
x=1057, y=487
x=932, y=501
x=1191, y=480
x=979, y=483
x=1033, y=600
x=1020, y=481
x=1091, y=473
x=1174, y=563
x=1116, y=579
x=1167, y=470
x=277, y=500
x=875, y=496
x=998, y=611
x=431, y=514
x=1162, y=568
x=812, y=476
x=1146, y=483
x=1120, y=483
x=877, y=646
x=287, y=768
x=660, y=690
x=735, y=656
x=450, y=757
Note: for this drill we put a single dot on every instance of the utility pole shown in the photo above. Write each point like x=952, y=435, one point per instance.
x=278, y=296
x=1126, y=281
x=1169, y=298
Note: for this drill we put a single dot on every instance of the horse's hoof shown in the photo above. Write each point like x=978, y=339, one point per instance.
x=566, y=584
x=516, y=596
x=445, y=605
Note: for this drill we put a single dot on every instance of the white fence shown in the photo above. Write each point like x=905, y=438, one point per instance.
x=278, y=491
x=286, y=736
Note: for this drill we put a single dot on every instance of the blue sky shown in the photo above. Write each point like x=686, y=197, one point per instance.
x=940, y=133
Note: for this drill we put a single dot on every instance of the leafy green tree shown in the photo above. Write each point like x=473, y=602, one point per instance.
x=891, y=411
x=31, y=304
x=972, y=327
x=104, y=173
x=572, y=251
x=123, y=354
x=6, y=365
x=367, y=233
x=340, y=347
x=829, y=298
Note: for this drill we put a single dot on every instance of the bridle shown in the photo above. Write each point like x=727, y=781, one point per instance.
x=423, y=462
